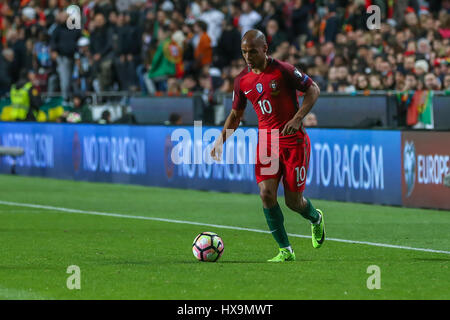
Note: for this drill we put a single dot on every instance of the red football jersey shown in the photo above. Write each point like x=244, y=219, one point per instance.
x=272, y=93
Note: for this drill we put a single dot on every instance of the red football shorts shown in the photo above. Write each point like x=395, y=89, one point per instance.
x=290, y=161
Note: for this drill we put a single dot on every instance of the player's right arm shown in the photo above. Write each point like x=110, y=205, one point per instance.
x=232, y=121
x=231, y=124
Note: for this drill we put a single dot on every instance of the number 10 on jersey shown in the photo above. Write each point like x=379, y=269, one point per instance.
x=265, y=106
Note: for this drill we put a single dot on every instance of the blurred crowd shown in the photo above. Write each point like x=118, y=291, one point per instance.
x=178, y=47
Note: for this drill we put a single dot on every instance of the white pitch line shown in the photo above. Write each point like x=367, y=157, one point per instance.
x=117, y=215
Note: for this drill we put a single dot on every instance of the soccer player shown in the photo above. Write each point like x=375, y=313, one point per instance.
x=271, y=87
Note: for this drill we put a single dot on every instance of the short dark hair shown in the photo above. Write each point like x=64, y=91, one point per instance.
x=174, y=117
x=203, y=25
x=164, y=28
x=106, y=114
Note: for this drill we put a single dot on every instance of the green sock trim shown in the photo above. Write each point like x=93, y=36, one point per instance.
x=275, y=220
x=310, y=212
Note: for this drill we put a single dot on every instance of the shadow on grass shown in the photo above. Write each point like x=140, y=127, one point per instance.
x=242, y=262
x=172, y=261
x=433, y=259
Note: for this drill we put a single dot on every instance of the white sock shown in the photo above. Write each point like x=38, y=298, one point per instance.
x=320, y=218
x=289, y=248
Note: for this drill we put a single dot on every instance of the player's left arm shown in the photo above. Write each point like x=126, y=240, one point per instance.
x=311, y=95
x=301, y=82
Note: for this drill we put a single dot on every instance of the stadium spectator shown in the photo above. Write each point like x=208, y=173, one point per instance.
x=410, y=82
x=331, y=23
x=423, y=49
x=162, y=65
x=388, y=81
x=431, y=82
x=362, y=83
x=203, y=48
x=189, y=85
x=213, y=19
x=82, y=71
x=188, y=49
x=274, y=35
x=328, y=52
x=78, y=111
x=17, y=44
x=25, y=99
x=127, y=51
x=447, y=82
x=29, y=57
x=300, y=17
x=102, y=54
x=173, y=87
x=50, y=13
x=30, y=22
x=282, y=51
x=420, y=68
x=64, y=45
x=408, y=64
x=167, y=5
x=399, y=81
x=229, y=45
x=234, y=15
x=332, y=80
x=105, y=117
x=227, y=85
x=309, y=54
x=42, y=54
x=175, y=119
x=342, y=73
x=248, y=18
x=375, y=82
x=6, y=59
x=293, y=56
x=310, y=120
x=208, y=100
x=271, y=12
x=317, y=76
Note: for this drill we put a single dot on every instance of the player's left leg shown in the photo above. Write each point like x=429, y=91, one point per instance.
x=295, y=161
x=302, y=205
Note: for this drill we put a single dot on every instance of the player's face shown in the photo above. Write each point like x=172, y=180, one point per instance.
x=254, y=53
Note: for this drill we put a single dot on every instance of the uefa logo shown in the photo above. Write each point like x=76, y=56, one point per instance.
x=409, y=166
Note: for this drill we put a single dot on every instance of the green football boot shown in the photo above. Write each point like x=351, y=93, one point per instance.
x=318, y=232
x=284, y=255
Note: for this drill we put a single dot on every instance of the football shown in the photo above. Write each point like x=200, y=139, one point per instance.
x=207, y=247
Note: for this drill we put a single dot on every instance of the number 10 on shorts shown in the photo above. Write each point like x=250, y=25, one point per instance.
x=301, y=175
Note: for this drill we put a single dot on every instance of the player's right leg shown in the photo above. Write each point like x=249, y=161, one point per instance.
x=275, y=220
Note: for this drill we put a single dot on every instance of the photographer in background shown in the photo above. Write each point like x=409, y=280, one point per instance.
x=105, y=118
x=78, y=111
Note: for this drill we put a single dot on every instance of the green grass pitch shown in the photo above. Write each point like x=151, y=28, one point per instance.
x=132, y=258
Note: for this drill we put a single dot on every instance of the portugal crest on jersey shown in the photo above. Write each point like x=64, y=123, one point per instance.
x=274, y=87
x=259, y=87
